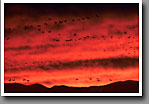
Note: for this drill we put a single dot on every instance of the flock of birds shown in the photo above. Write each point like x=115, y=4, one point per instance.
x=26, y=80
x=38, y=27
x=60, y=22
x=96, y=79
x=104, y=37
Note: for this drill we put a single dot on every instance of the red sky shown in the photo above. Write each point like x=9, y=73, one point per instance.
x=74, y=45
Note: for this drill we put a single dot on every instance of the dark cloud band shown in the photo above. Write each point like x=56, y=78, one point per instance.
x=121, y=63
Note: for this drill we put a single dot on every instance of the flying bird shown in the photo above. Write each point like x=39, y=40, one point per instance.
x=79, y=19
x=75, y=34
x=49, y=18
x=9, y=80
x=98, y=80
x=68, y=40
x=25, y=27
x=9, y=29
x=38, y=26
x=8, y=38
x=93, y=37
x=125, y=32
x=88, y=17
x=65, y=20
x=83, y=18
x=55, y=22
x=61, y=22
x=45, y=24
x=90, y=78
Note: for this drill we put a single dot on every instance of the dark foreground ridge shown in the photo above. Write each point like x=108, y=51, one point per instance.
x=117, y=87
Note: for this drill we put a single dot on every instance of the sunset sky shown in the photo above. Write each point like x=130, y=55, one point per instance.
x=77, y=45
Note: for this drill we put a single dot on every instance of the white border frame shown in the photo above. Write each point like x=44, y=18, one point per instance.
x=71, y=94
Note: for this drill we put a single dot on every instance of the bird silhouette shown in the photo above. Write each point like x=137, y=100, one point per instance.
x=38, y=26
x=65, y=20
x=125, y=32
x=98, y=80
x=75, y=34
x=56, y=40
x=8, y=38
x=55, y=22
x=93, y=37
x=45, y=24
x=49, y=18
x=83, y=18
x=102, y=36
x=61, y=22
x=86, y=37
x=9, y=29
x=68, y=40
x=88, y=17
x=25, y=27
x=9, y=80
x=79, y=19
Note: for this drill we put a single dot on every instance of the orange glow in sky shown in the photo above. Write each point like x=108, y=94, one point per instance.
x=79, y=49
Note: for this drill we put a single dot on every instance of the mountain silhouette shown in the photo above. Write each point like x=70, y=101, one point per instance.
x=116, y=87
